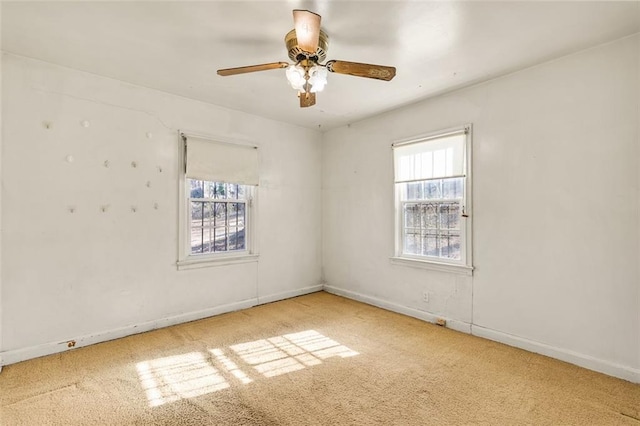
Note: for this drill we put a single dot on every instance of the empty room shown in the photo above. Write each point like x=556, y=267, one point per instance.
x=320, y=213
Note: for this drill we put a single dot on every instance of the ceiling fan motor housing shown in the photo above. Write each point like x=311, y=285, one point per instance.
x=296, y=54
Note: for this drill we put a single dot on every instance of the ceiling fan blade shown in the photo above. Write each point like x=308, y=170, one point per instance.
x=307, y=26
x=307, y=99
x=252, y=68
x=357, y=69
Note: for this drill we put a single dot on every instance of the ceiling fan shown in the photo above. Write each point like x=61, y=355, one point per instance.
x=307, y=46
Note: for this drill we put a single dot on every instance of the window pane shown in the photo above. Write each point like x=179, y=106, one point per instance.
x=220, y=243
x=430, y=216
x=411, y=241
x=411, y=215
x=206, y=240
x=430, y=244
x=433, y=189
x=236, y=238
x=196, y=189
x=220, y=214
x=233, y=190
x=450, y=246
x=236, y=214
x=414, y=191
x=219, y=190
x=217, y=226
x=242, y=214
x=449, y=216
x=241, y=192
x=452, y=188
x=197, y=208
x=209, y=189
x=196, y=240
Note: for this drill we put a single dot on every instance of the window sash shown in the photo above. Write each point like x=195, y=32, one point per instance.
x=210, y=226
x=436, y=232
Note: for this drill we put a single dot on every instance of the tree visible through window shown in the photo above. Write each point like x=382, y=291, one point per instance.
x=218, y=216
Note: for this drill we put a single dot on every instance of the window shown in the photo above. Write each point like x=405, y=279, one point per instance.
x=218, y=213
x=217, y=191
x=433, y=188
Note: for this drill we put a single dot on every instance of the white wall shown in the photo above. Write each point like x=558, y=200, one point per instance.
x=90, y=275
x=556, y=213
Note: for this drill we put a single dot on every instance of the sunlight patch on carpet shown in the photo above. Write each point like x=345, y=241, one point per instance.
x=194, y=374
x=290, y=352
x=230, y=366
x=177, y=377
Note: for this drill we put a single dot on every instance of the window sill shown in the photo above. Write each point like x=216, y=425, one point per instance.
x=205, y=262
x=434, y=266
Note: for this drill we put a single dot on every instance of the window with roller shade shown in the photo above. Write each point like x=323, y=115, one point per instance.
x=218, y=186
x=432, y=186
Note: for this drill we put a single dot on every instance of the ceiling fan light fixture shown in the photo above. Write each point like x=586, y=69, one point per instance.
x=318, y=78
x=295, y=76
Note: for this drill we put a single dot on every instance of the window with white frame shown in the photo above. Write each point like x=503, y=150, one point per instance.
x=217, y=189
x=432, y=186
x=217, y=216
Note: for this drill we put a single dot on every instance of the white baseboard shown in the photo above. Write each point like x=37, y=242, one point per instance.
x=288, y=294
x=588, y=362
x=23, y=354
x=461, y=326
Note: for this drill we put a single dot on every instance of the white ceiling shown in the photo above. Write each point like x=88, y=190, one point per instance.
x=436, y=46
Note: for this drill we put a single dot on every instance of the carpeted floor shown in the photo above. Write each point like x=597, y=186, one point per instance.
x=312, y=360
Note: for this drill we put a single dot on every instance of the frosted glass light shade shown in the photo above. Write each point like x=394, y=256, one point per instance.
x=318, y=78
x=295, y=75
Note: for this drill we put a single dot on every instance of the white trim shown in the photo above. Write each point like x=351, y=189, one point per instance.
x=461, y=326
x=269, y=298
x=17, y=355
x=195, y=262
x=585, y=361
x=435, y=266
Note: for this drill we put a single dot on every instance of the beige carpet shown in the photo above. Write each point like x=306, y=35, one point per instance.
x=312, y=360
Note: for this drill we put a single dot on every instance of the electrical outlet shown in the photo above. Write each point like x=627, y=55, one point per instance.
x=425, y=296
